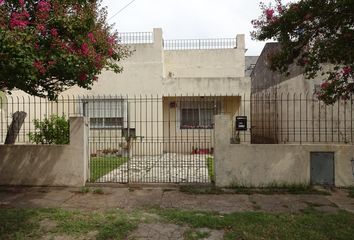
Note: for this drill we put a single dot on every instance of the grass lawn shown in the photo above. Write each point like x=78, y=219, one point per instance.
x=310, y=224
x=211, y=168
x=116, y=224
x=100, y=166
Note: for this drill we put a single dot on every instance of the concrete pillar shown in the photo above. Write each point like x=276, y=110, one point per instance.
x=158, y=38
x=222, y=137
x=79, y=130
x=240, y=39
x=158, y=45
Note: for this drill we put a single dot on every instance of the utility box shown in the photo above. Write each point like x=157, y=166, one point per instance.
x=322, y=168
x=241, y=123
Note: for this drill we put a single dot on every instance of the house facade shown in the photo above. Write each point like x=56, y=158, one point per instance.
x=165, y=98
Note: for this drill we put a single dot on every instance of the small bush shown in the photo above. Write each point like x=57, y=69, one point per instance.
x=110, y=151
x=84, y=190
x=98, y=191
x=52, y=130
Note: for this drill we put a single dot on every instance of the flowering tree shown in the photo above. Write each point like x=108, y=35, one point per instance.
x=48, y=46
x=312, y=34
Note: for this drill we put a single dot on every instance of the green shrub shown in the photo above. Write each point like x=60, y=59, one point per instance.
x=52, y=130
x=98, y=191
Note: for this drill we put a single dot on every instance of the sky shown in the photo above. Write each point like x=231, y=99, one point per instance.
x=189, y=19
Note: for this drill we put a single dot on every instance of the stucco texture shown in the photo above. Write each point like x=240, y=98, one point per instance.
x=47, y=165
x=266, y=164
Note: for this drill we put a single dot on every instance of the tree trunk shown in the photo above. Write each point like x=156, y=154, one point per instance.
x=17, y=120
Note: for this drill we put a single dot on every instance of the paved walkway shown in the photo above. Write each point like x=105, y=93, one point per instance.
x=166, y=168
x=130, y=199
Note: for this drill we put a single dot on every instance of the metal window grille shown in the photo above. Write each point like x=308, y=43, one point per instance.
x=105, y=113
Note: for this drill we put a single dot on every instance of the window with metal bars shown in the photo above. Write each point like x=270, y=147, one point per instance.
x=198, y=114
x=105, y=113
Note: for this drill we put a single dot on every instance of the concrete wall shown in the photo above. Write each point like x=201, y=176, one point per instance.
x=206, y=86
x=47, y=165
x=262, y=165
x=205, y=63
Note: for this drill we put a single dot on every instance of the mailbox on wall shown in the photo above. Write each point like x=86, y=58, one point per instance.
x=241, y=123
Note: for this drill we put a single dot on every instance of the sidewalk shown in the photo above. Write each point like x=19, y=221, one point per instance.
x=129, y=199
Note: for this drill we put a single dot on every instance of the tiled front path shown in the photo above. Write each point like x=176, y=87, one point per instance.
x=166, y=168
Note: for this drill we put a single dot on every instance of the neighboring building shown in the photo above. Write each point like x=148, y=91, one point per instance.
x=169, y=91
x=285, y=108
x=250, y=63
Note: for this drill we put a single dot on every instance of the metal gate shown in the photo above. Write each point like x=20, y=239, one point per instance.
x=152, y=139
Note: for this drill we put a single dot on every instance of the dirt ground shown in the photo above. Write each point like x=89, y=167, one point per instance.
x=133, y=198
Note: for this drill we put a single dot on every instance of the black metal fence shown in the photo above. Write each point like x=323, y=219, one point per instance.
x=170, y=139
x=271, y=118
x=199, y=44
x=300, y=118
x=144, y=139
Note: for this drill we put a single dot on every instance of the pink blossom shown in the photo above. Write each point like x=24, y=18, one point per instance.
x=91, y=37
x=51, y=63
x=83, y=77
x=43, y=6
x=98, y=58
x=85, y=49
x=54, y=32
x=347, y=70
x=43, y=9
x=269, y=13
x=110, y=52
x=112, y=40
x=19, y=20
x=39, y=66
x=324, y=85
x=41, y=28
x=36, y=46
x=280, y=8
x=2, y=2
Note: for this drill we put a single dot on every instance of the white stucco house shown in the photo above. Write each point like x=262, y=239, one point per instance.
x=168, y=92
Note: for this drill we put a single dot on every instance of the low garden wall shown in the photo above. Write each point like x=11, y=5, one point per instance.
x=257, y=165
x=48, y=165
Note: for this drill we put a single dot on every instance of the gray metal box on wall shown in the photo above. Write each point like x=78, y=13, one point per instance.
x=322, y=168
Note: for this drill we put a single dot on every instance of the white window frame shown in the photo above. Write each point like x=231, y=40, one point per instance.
x=200, y=105
x=105, y=109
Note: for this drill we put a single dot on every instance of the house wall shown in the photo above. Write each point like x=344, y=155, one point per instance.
x=47, y=165
x=262, y=165
x=290, y=112
x=146, y=76
x=151, y=70
x=285, y=108
x=217, y=63
x=181, y=140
